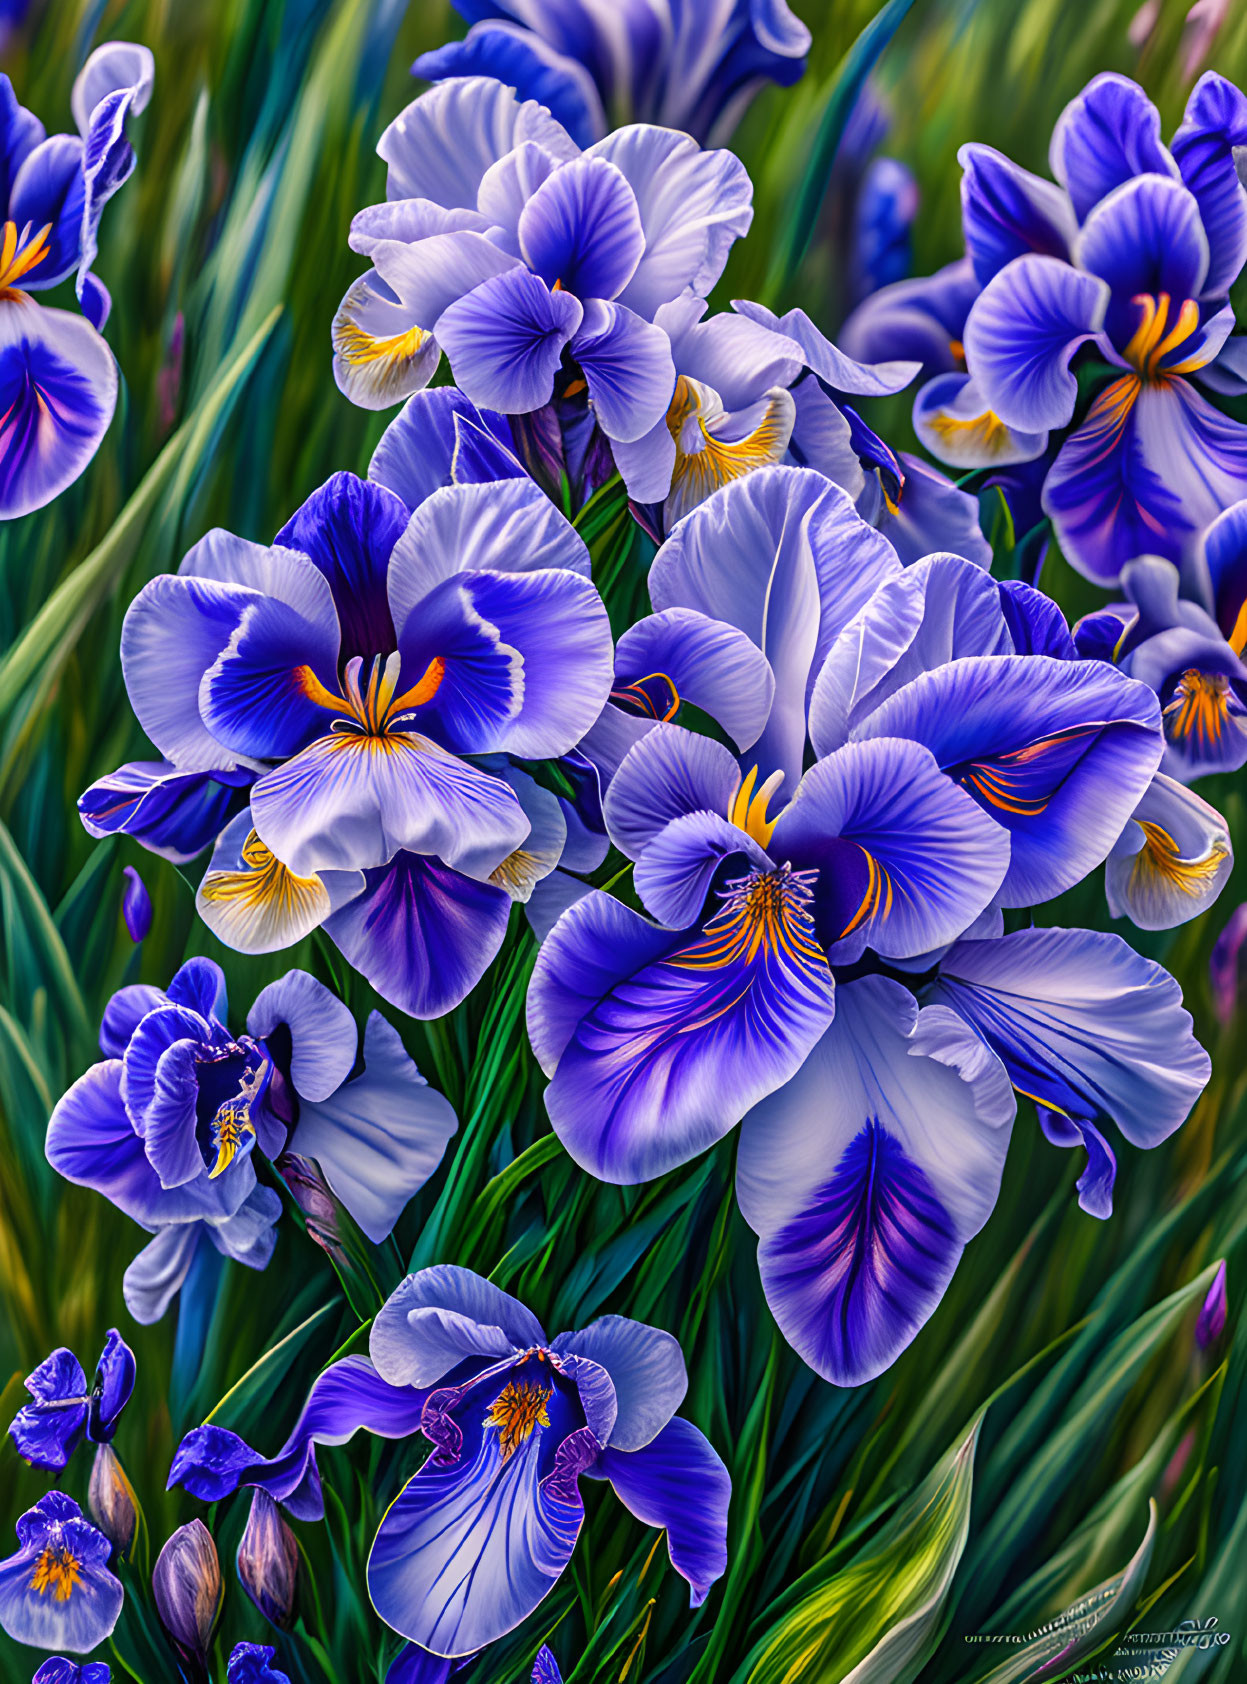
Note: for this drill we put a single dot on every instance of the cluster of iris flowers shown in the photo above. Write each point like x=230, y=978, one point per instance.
x=408, y=712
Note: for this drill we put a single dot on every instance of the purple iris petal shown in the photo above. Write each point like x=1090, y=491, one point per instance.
x=707, y=663
x=954, y=420
x=1021, y=334
x=505, y=340
x=844, y=374
x=673, y=875
x=156, y=1276
x=212, y=1462
x=1106, y=135
x=112, y=1387
x=922, y=319
x=172, y=813
x=646, y=1369
x=20, y=132
x=117, y=79
x=257, y=698
x=693, y=206
x=123, y=1013
x=57, y=1670
x=49, y=191
x=546, y=1668
x=1172, y=860
x=160, y=1084
x=865, y=1177
x=627, y=364
x=1214, y=124
x=1036, y=625
x=669, y=773
x=200, y=984
x=678, y=1482
x=436, y=1318
x=933, y=515
x=528, y=64
x=432, y=440
x=873, y=818
x=47, y=1431
x=56, y=1592
x=1145, y=238
x=58, y=390
x=658, y=1044
x=582, y=230
x=1084, y=1025
x=136, y=905
x=1224, y=549
x=323, y=1039
x=1058, y=752
x=274, y=571
x=422, y=934
x=1006, y=211
x=252, y=1663
x=348, y=528
x=379, y=1138
x=1095, y=1184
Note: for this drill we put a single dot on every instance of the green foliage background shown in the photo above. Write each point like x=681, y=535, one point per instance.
x=1004, y=1466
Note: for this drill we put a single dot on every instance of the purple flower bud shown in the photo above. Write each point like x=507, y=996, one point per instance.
x=110, y=1497
x=1211, y=1323
x=187, y=1585
x=268, y=1560
x=310, y=1191
x=1224, y=968
x=136, y=905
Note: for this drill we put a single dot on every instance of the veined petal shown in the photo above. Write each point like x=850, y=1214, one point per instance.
x=1171, y=861
x=422, y=449
x=678, y=1482
x=255, y=904
x=627, y=364
x=58, y=390
x=422, y=934
x=922, y=319
x=1006, y=211
x=1084, y=1025
x=379, y=1138
x=1058, y=752
x=56, y=1592
x=1213, y=126
x=1021, y=334
x=841, y=372
x=867, y=1174
x=1106, y=135
x=712, y=665
x=933, y=516
x=323, y=1039
x=646, y=1368
x=905, y=862
x=436, y=1317
x=953, y=418
x=381, y=354
x=712, y=448
x=668, y=773
x=348, y=528
x=582, y=229
x=662, y=1042
x=739, y=354
x=521, y=59
x=1146, y=237
x=674, y=874
x=505, y=340
x=172, y=813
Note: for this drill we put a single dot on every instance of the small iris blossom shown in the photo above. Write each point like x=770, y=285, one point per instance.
x=57, y=1670
x=166, y=1125
x=963, y=760
x=48, y=1430
x=58, y=380
x=252, y=1663
x=56, y=1592
x=597, y=64
x=339, y=711
x=1126, y=266
x=537, y=268
x=482, y=1531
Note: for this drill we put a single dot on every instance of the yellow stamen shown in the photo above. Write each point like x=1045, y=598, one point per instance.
x=1151, y=343
x=747, y=811
x=57, y=1571
x=17, y=259
x=519, y=1408
x=374, y=708
x=1199, y=709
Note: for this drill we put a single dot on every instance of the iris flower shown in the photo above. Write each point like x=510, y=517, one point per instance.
x=596, y=64
x=58, y=380
x=482, y=1531
x=252, y=1663
x=57, y=1670
x=166, y=1126
x=48, y=1430
x=354, y=674
x=56, y=1592
x=786, y=903
x=536, y=267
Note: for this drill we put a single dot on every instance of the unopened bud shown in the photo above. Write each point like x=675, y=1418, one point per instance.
x=110, y=1497
x=1211, y=1323
x=268, y=1560
x=187, y=1585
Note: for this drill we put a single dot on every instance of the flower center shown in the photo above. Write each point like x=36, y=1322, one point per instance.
x=765, y=910
x=1200, y=707
x=1161, y=331
x=747, y=810
x=19, y=254
x=519, y=1408
x=372, y=708
x=233, y=1122
x=57, y=1570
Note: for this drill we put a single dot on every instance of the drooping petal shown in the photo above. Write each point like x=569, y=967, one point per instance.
x=669, y=773
x=58, y=390
x=953, y=418
x=118, y=77
x=712, y=665
x=172, y=813
x=627, y=363
x=156, y=1276
x=254, y=903
x=1058, y=752
x=440, y=146
x=381, y=353
x=1213, y=126
x=659, y=1043
x=678, y=1482
x=865, y=1177
x=1022, y=332
x=505, y=340
x=646, y=1367
x=1006, y=211
x=693, y=205
x=905, y=861
x=1171, y=861
x=674, y=874
x=422, y=934
x=437, y=1317
x=842, y=373
x=1084, y=1025
x=379, y=1138
x=1106, y=135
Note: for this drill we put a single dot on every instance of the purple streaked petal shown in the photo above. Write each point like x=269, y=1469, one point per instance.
x=736, y=355
x=677, y=1482
x=1036, y=625
x=674, y=874
x=711, y=665
x=672, y=1037
x=521, y=59
x=283, y=574
x=430, y=275
x=347, y=528
x=646, y=1369
x=437, y=1317
x=841, y=372
x=58, y=390
x=323, y=1038
x=668, y=773
x=423, y=448
x=1171, y=861
x=933, y=515
x=582, y=229
x=47, y=1431
x=249, y=1236
x=627, y=364
x=200, y=984
x=49, y=190
x=75, y=1623
x=20, y=132
x=1084, y=1025
x=1058, y=752
x=442, y=144
x=1006, y=211
x=865, y=1177
x=921, y=319
x=1106, y=135
x=1213, y=125
x=954, y=420
x=379, y=1138
x=422, y=934
x=1146, y=237
x=505, y=340
x=123, y=1014
x=255, y=698
x=1021, y=334
x=693, y=206
x=174, y=814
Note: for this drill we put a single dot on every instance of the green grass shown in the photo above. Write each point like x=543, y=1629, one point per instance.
x=1004, y=1466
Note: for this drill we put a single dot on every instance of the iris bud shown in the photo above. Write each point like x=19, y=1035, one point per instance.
x=1211, y=1323
x=268, y=1560
x=110, y=1497
x=187, y=1585
x=136, y=905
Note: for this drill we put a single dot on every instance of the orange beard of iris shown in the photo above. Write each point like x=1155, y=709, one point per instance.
x=518, y=1408
x=57, y=1571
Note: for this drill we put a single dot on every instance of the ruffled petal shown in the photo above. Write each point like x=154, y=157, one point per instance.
x=933, y=515
x=669, y=773
x=1084, y=1025
x=519, y=58
x=842, y=373
x=436, y=1317
x=953, y=418
x=1006, y=211
x=505, y=340
x=627, y=364
x=707, y=663
x=1214, y=124
x=865, y=1177
x=646, y=1368
x=922, y=319
x=1146, y=237
x=58, y=390
x=427, y=446
x=348, y=528
x=323, y=1038
x=581, y=229
x=1106, y=135
x=674, y=874
x=72, y=1614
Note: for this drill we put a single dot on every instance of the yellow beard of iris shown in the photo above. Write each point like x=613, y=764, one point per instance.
x=57, y=1571
x=517, y=1410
